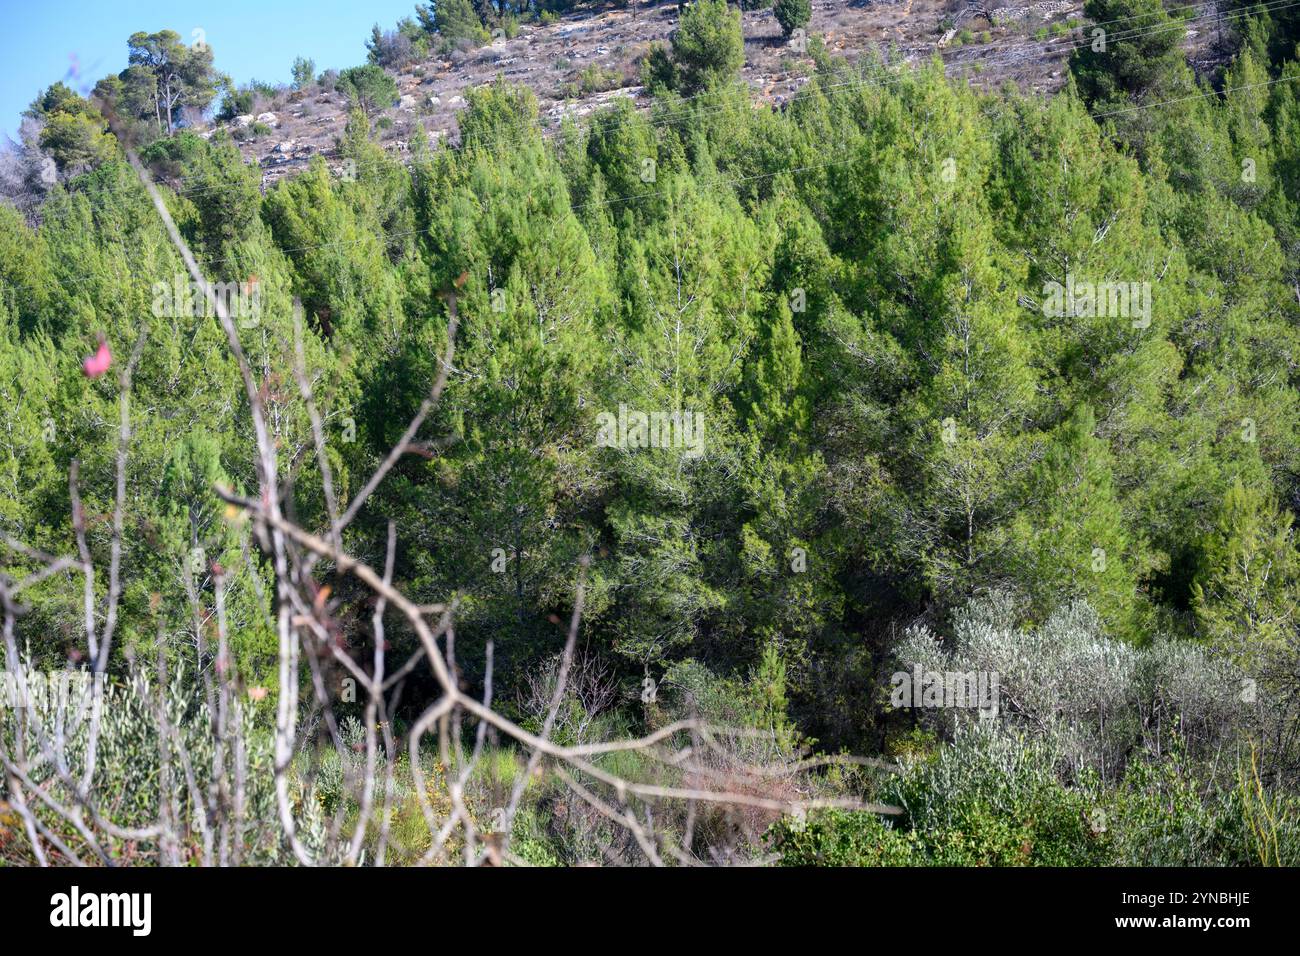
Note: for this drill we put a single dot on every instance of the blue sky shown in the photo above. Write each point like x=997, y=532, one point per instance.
x=41, y=40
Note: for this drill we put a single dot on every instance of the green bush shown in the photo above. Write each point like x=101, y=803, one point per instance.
x=1164, y=817
x=985, y=800
x=596, y=79
x=456, y=22
x=708, y=46
x=792, y=14
x=658, y=71
x=236, y=103
x=529, y=840
x=368, y=87
x=304, y=73
x=990, y=799
x=128, y=760
x=841, y=838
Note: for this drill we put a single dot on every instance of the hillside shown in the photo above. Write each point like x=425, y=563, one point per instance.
x=591, y=56
x=879, y=453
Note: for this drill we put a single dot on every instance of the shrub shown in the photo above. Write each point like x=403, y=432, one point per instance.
x=658, y=71
x=236, y=103
x=596, y=79
x=708, y=46
x=303, y=72
x=457, y=24
x=840, y=838
x=992, y=799
x=77, y=142
x=529, y=840
x=127, y=761
x=792, y=14
x=396, y=48
x=984, y=801
x=368, y=87
x=1065, y=682
x=758, y=703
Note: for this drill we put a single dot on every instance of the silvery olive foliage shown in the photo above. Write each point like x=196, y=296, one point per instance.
x=26, y=172
x=134, y=766
x=1091, y=698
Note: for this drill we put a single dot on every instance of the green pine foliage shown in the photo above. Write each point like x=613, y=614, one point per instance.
x=868, y=307
x=708, y=46
x=792, y=14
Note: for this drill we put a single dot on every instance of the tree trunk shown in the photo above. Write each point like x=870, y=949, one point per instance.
x=169, y=104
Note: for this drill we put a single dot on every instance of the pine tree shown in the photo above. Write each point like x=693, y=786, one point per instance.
x=1247, y=589
x=792, y=14
x=708, y=46
x=1070, y=539
x=1134, y=53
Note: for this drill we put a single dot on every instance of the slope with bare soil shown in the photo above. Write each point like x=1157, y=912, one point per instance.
x=582, y=61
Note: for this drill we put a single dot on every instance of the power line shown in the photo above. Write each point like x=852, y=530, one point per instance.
x=1196, y=96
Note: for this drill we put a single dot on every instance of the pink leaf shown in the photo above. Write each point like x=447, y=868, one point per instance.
x=98, y=363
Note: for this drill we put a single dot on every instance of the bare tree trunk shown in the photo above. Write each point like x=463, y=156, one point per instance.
x=169, y=104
